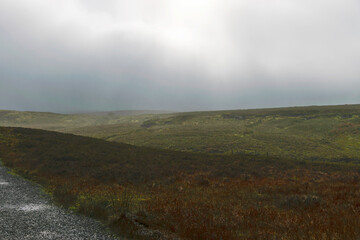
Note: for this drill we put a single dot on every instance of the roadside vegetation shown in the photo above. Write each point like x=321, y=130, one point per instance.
x=150, y=193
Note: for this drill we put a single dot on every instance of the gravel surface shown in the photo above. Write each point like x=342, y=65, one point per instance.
x=28, y=213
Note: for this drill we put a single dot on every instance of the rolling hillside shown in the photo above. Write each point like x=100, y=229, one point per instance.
x=67, y=122
x=330, y=133
x=315, y=133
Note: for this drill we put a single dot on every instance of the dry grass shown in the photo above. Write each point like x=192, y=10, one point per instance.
x=193, y=196
x=263, y=208
x=293, y=204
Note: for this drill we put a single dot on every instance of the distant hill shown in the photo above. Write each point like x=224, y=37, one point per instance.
x=126, y=113
x=309, y=133
x=65, y=122
x=318, y=133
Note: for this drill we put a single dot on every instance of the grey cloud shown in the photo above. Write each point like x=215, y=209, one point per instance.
x=249, y=54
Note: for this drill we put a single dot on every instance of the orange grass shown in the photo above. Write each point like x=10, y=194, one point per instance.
x=315, y=205
x=265, y=208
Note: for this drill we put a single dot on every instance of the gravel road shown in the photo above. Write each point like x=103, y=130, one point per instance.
x=27, y=213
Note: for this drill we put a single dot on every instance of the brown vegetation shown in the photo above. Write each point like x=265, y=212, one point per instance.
x=153, y=194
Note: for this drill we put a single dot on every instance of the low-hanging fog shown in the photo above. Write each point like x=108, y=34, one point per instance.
x=181, y=55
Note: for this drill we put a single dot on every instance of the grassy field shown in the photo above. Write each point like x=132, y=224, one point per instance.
x=326, y=133
x=67, y=122
x=146, y=193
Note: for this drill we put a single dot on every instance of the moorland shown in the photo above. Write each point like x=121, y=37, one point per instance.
x=287, y=173
x=318, y=133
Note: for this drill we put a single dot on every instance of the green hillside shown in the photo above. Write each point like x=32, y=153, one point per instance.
x=67, y=122
x=317, y=133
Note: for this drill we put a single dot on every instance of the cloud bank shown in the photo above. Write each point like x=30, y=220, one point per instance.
x=88, y=55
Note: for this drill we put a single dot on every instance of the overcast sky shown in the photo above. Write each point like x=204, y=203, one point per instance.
x=183, y=55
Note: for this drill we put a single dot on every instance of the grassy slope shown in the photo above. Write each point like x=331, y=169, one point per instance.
x=67, y=122
x=59, y=154
x=310, y=133
x=195, y=196
x=318, y=133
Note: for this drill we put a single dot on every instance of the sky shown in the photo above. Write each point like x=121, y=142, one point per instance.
x=179, y=55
